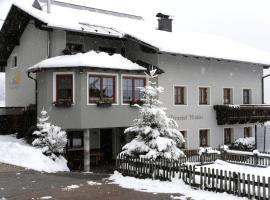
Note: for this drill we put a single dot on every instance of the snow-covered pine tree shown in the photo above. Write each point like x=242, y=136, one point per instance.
x=157, y=136
x=50, y=138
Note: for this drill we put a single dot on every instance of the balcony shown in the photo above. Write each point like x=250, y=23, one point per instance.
x=242, y=114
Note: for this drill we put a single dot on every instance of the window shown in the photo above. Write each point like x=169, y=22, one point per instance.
x=180, y=95
x=247, y=132
x=228, y=136
x=246, y=96
x=204, y=137
x=74, y=48
x=184, y=145
x=14, y=61
x=108, y=50
x=64, y=87
x=75, y=139
x=227, y=96
x=101, y=87
x=131, y=88
x=204, y=96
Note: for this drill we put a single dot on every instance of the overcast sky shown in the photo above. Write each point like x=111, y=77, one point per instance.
x=247, y=21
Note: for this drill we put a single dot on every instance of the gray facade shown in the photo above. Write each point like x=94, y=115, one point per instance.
x=190, y=72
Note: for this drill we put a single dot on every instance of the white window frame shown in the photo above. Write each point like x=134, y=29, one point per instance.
x=210, y=93
x=185, y=97
x=232, y=97
x=103, y=74
x=250, y=98
x=11, y=61
x=54, y=84
x=233, y=137
x=121, y=82
x=209, y=136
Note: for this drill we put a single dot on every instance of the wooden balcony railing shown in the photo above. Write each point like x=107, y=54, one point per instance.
x=242, y=114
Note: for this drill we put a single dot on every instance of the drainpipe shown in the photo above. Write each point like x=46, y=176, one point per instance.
x=49, y=3
x=36, y=91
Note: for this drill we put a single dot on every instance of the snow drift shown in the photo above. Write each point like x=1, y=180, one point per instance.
x=16, y=152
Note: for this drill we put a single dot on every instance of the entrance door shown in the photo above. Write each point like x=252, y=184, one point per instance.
x=106, y=144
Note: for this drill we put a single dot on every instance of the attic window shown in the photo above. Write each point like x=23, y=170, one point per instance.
x=72, y=48
x=14, y=61
x=108, y=50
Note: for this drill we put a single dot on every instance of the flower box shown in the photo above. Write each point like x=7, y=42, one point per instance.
x=104, y=103
x=139, y=102
x=63, y=103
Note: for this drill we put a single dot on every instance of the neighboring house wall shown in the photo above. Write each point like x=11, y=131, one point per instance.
x=192, y=73
x=20, y=90
x=81, y=115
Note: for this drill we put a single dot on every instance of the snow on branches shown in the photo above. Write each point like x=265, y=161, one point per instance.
x=50, y=138
x=157, y=136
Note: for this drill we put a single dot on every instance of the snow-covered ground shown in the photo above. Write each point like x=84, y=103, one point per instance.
x=177, y=187
x=222, y=165
x=16, y=152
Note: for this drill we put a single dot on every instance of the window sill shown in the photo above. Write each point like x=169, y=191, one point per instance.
x=64, y=104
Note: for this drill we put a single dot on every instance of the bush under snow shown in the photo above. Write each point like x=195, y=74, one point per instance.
x=156, y=134
x=50, y=139
x=17, y=152
x=244, y=144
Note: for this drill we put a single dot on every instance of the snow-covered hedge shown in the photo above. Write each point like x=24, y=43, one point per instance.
x=244, y=144
x=208, y=150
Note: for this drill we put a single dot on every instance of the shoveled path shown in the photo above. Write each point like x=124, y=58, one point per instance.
x=20, y=184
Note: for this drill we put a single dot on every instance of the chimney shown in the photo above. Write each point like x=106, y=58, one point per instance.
x=164, y=22
x=49, y=3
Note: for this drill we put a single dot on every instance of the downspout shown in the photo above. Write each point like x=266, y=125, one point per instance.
x=49, y=3
x=36, y=91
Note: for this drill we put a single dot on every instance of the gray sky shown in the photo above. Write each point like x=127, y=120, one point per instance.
x=247, y=21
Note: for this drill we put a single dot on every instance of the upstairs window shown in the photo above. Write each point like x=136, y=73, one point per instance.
x=101, y=87
x=74, y=48
x=64, y=87
x=14, y=61
x=131, y=88
x=180, y=97
x=227, y=96
x=204, y=96
x=246, y=96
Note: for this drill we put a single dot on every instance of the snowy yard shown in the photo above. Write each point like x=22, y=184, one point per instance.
x=175, y=187
x=222, y=165
x=16, y=152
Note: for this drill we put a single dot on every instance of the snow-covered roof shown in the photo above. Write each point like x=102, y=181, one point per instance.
x=178, y=42
x=90, y=59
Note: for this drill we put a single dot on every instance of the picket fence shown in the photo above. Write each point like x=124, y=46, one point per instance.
x=200, y=177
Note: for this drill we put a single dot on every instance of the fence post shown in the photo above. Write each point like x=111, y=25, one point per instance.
x=255, y=160
x=202, y=158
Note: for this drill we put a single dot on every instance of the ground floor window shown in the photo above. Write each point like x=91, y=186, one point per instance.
x=101, y=87
x=204, y=137
x=247, y=132
x=184, y=145
x=64, y=87
x=131, y=88
x=75, y=139
x=228, y=136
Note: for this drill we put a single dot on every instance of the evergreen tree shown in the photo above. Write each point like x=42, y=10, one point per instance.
x=50, y=139
x=157, y=136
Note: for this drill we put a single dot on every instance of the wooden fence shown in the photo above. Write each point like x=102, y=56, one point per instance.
x=205, y=178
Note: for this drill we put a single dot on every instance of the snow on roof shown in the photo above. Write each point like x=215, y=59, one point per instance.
x=178, y=42
x=89, y=59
